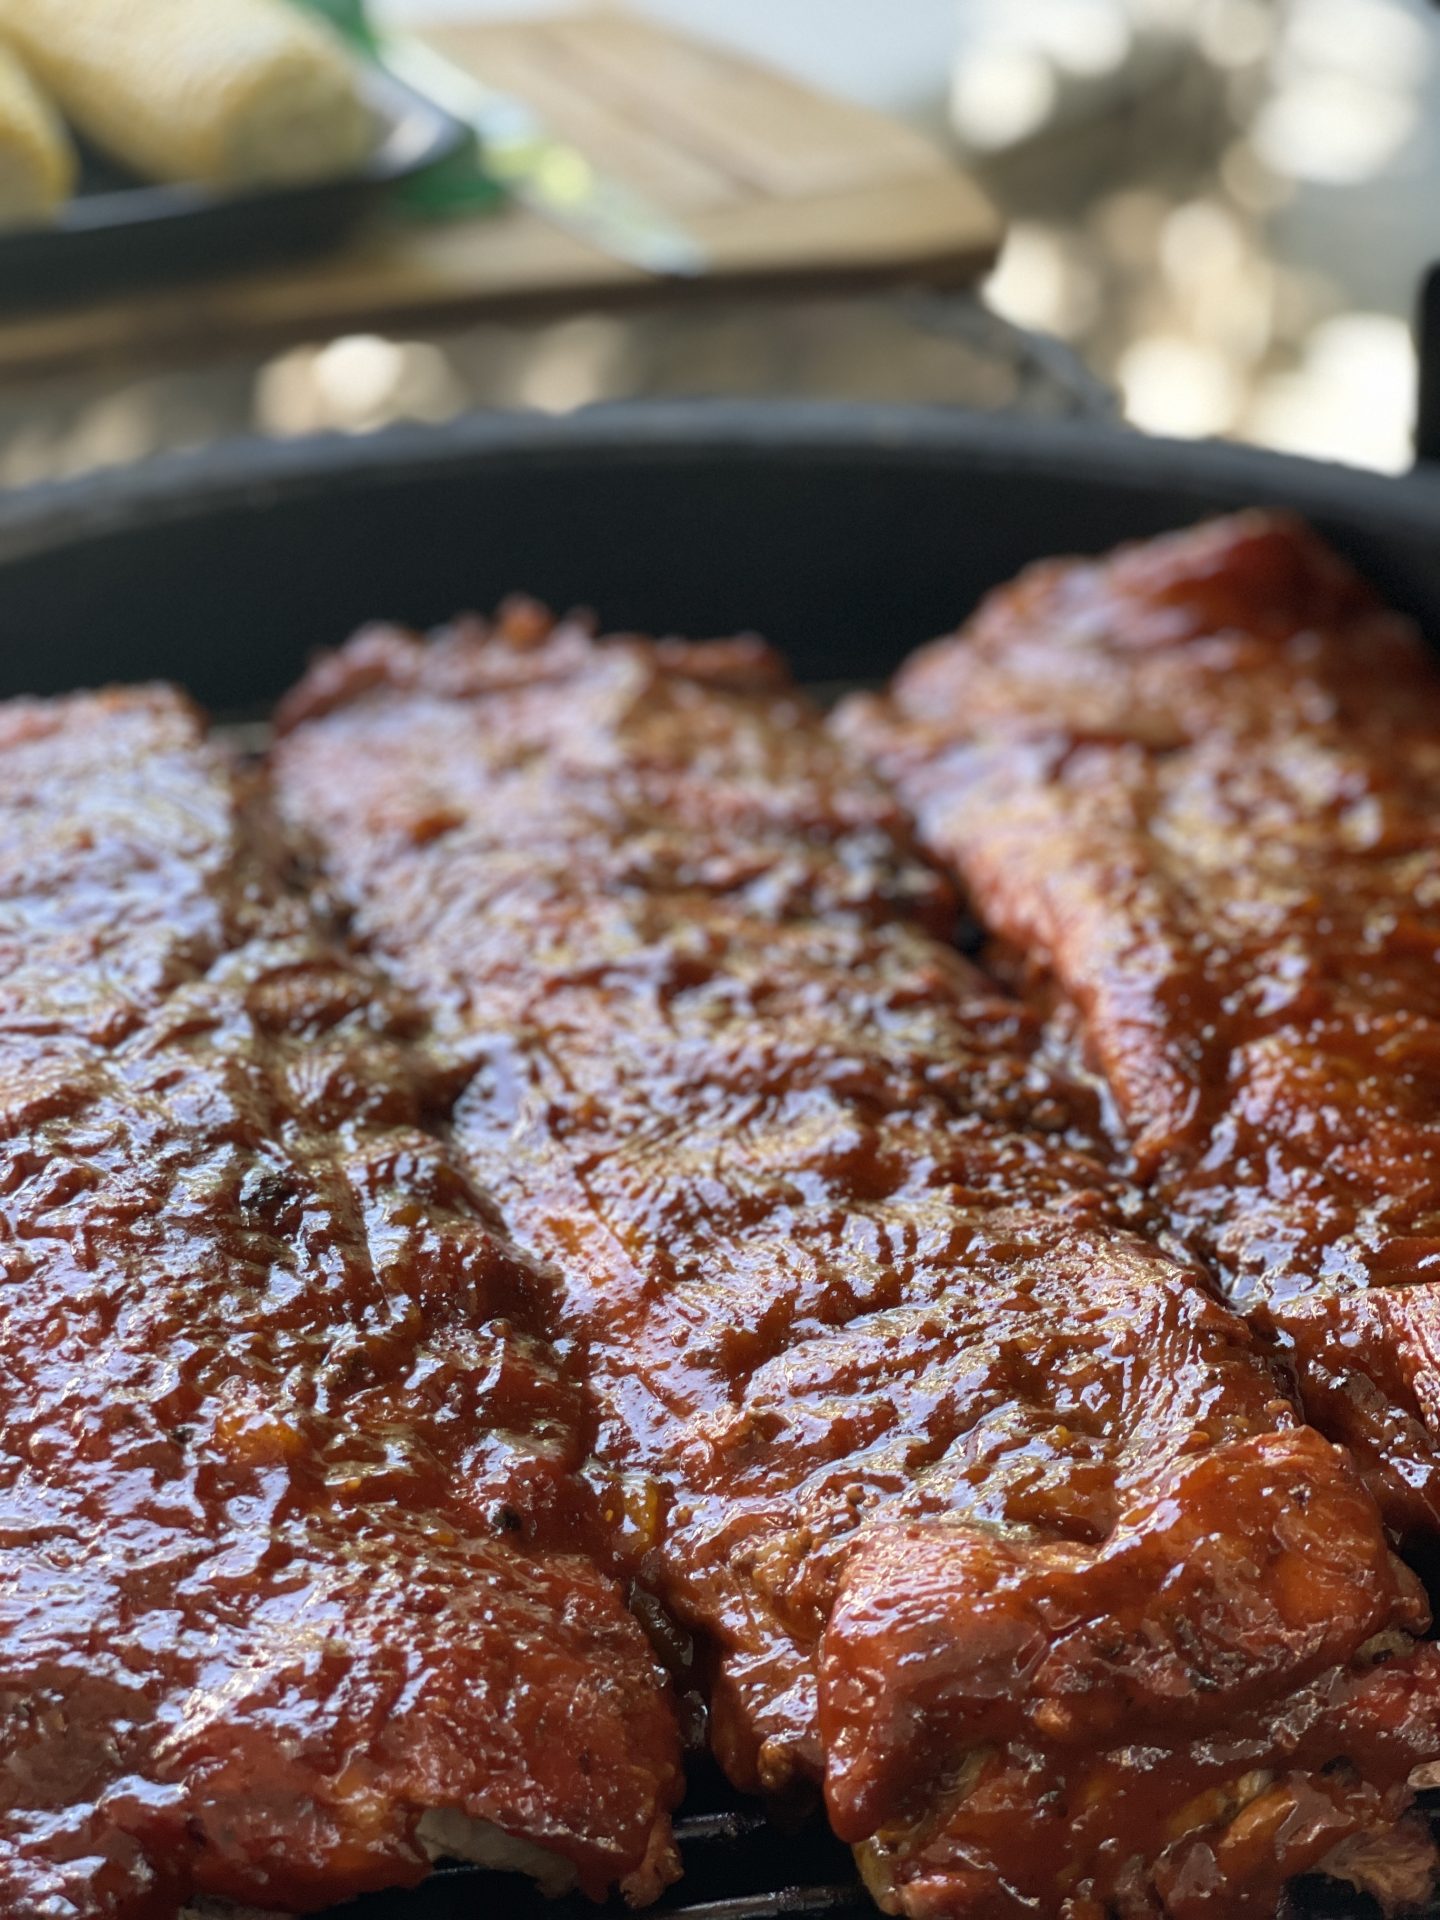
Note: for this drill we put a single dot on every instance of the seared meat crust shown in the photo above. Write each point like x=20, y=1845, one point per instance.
x=1195, y=790
x=983, y=1510
x=298, y=1550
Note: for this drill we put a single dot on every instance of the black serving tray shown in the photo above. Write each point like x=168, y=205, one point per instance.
x=118, y=232
x=848, y=534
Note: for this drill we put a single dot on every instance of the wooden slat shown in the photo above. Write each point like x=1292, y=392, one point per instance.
x=782, y=138
x=528, y=60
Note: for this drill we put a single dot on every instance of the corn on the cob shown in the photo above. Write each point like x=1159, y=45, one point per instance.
x=221, y=91
x=37, y=161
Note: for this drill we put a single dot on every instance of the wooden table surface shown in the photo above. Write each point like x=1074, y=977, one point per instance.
x=784, y=188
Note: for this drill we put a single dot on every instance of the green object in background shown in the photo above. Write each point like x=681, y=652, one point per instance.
x=350, y=18
x=515, y=154
x=454, y=186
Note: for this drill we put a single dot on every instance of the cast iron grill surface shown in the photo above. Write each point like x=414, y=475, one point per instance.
x=847, y=535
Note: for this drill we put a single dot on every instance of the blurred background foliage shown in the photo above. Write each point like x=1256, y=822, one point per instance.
x=1225, y=207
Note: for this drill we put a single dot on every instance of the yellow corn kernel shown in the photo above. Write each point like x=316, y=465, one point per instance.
x=37, y=161
x=226, y=92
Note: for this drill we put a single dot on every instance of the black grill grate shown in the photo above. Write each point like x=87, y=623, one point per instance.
x=739, y=1865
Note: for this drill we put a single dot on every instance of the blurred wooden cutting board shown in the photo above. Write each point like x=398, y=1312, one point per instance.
x=782, y=186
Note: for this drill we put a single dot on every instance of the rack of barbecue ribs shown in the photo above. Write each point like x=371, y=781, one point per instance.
x=303, y=1577
x=1194, y=792
x=983, y=1512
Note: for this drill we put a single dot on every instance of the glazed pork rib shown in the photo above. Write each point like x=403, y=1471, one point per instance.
x=1195, y=788
x=980, y=1509
x=300, y=1573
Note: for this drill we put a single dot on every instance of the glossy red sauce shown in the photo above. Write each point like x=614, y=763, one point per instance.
x=298, y=1540
x=1196, y=789
x=984, y=1512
